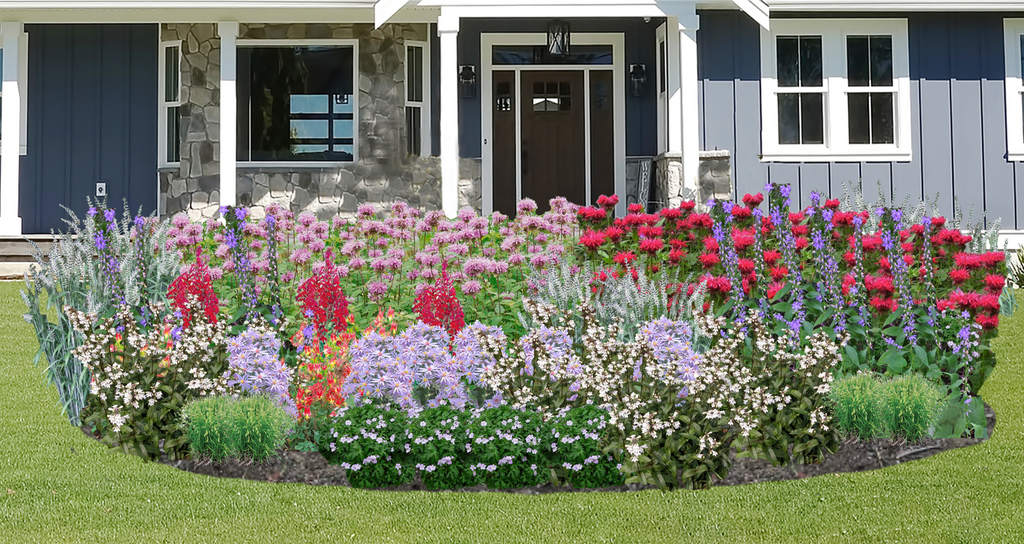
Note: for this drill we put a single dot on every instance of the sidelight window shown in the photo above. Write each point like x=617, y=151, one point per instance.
x=170, y=103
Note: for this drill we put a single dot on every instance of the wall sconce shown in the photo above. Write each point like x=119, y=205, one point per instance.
x=638, y=78
x=467, y=81
x=558, y=38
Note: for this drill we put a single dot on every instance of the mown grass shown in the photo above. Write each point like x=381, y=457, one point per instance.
x=56, y=485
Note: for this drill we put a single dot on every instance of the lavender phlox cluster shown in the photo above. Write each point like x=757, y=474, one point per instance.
x=395, y=368
x=256, y=368
x=671, y=345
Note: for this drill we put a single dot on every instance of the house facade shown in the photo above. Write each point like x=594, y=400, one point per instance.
x=322, y=105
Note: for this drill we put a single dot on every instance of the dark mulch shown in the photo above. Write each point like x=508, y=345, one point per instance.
x=852, y=456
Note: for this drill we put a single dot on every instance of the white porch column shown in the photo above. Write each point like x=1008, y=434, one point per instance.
x=690, y=107
x=228, y=31
x=448, y=31
x=10, y=131
x=675, y=95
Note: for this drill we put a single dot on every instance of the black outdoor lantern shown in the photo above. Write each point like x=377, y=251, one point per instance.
x=467, y=81
x=558, y=38
x=638, y=78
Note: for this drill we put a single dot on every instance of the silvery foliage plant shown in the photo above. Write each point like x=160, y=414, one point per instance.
x=622, y=300
x=99, y=263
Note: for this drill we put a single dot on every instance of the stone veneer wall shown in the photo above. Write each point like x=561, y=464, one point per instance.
x=713, y=179
x=383, y=173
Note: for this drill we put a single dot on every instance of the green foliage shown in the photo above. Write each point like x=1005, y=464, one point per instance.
x=857, y=405
x=250, y=428
x=910, y=405
x=367, y=441
x=580, y=460
x=210, y=428
x=506, y=450
x=959, y=418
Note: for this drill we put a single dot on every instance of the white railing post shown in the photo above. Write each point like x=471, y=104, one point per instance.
x=448, y=31
x=228, y=31
x=10, y=130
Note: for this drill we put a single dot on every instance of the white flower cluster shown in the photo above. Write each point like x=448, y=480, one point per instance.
x=130, y=367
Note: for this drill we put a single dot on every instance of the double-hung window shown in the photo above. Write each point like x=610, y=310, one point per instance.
x=1014, y=44
x=170, y=103
x=835, y=90
x=417, y=97
x=297, y=101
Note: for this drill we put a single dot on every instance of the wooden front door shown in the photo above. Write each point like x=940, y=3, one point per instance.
x=552, y=146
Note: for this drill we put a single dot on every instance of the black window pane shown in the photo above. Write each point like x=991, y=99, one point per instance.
x=171, y=68
x=506, y=55
x=788, y=61
x=881, y=61
x=173, y=135
x=296, y=102
x=860, y=120
x=414, y=61
x=810, y=61
x=789, y=118
x=412, y=124
x=812, y=118
x=882, y=118
x=857, y=66
x=1022, y=53
x=662, y=68
x=538, y=88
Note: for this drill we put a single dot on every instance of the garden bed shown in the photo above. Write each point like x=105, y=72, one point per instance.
x=852, y=456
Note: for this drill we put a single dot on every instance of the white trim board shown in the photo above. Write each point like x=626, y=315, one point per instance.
x=1013, y=31
x=618, y=69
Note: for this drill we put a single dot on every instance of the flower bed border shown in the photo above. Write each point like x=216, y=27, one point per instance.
x=744, y=471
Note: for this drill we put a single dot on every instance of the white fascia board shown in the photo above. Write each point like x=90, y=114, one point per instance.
x=758, y=10
x=384, y=10
x=181, y=4
x=894, y=5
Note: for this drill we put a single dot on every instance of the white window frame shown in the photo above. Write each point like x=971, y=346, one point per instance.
x=1013, y=29
x=424, y=104
x=835, y=87
x=354, y=43
x=23, y=85
x=167, y=104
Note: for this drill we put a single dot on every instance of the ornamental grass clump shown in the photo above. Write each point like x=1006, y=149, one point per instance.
x=857, y=405
x=250, y=429
x=910, y=405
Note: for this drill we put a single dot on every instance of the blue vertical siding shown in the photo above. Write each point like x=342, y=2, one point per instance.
x=92, y=116
x=958, y=117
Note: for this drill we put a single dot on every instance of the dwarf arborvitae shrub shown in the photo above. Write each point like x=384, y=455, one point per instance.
x=910, y=405
x=857, y=403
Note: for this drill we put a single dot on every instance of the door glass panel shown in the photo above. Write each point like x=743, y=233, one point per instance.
x=505, y=55
x=552, y=96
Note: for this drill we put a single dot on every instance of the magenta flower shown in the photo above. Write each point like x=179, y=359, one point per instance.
x=526, y=205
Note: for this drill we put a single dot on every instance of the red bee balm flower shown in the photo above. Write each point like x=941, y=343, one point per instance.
x=959, y=275
x=607, y=202
x=988, y=322
x=592, y=239
x=708, y=260
x=651, y=245
x=624, y=257
x=995, y=283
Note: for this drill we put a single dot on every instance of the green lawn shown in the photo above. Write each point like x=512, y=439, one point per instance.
x=56, y=485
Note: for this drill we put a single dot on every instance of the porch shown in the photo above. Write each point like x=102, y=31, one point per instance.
x=445, y=106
